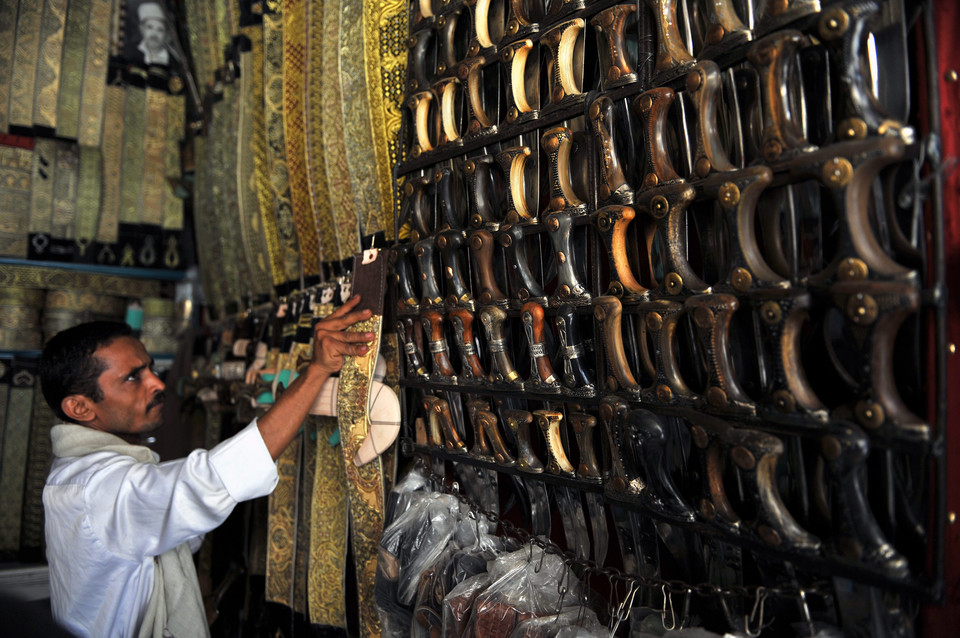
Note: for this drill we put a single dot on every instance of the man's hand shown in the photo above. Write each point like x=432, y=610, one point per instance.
x=331, y=341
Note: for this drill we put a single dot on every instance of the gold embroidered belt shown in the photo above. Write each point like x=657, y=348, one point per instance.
x=24, y=75
x=48, y=63
x=39, y=457
x=95, y=74
x=8, y=32
x=304, y=518
x=71, y=68
x=16, y=439
x=65, y=180
x=131, y=171
x=112, y=156
x=221, y=147
x=154, y=140
x=88, y=196
x=41, y=195
x=15, y=167
x=281, y=523
x=205, y=226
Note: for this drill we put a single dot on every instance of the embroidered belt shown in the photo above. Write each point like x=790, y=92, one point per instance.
x=206, y=230
x=276, y=144
x=154, y=146
x=65, y=180
x=24, y=74
x=41, y=196
x=95, y=74
x=222, y=23
x=39, y=457
x=15, y=167
x=88, y=196
x=16, y=438
x=44, y=277
x=131, y=170
x=302, y=554
x=172, y=205
x=294, y=64
x=8, y=31
x=235, y=264
x=71, y=68
x=111, y=152
x=282, y=518
x=48, y=63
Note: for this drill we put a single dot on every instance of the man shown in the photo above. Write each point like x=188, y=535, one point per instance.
x=153, y=34
x=121, y=528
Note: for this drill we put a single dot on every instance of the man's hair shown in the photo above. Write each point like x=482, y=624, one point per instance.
x=68, y=365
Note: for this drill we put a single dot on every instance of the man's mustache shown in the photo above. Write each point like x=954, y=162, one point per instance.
x=157, y=399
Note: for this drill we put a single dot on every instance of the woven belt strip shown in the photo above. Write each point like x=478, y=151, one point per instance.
x=16, y=165
x=176, y=119
x=196, y=27
x=385, y=32
x=112, y=155
x=45, y=277
x=329, y=182
x=258, y=146
x=95, y=74
x=301, y=558
x=223, y=187
x=276, y=144
x=222, y=18
x=88, y=197
x=294, y=65
x=39, y=457
x=48, y=63
x=249, y=203
x=154, y=162
x=231, y=214
x=71, y=68
x=131, y=169
x=205, y=226
x=281, y=523
x=8, y=33
x=13, y=469
x=24, y=74
x=65, y=180
x=41, y=195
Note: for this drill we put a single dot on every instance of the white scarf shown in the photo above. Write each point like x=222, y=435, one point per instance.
x=175, y=608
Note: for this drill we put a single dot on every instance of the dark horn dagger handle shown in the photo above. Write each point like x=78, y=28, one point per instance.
x=419, y=75
x=542, y=378
x=569, y=287
x=429, y=291
x=450, y=242
x=659, y=320
x=484, y=187
x=712, y=315
x=433, y=327
x=488, y=421
x=451, y=197
x=481, y=247
x=415, y=367
x=608, y=310
x=577, y=379
x=611, y=222
x=558, y=143
x=844, y=452
x=724, y=28
x=408, y=300
x=583, y=426
x=653, y=107
x=644, y=439
x=518, y=422
x=549, y=423
x=612, y=412
x=525, y=286
x=672, y=56
x=502, y=372
x=777, y=13
x=613, y=187
x=471, y=370
x=446, y=27
x=480, y=449
x=453, y=441
x=610, y=24
x=668, y=206
x=703, y=88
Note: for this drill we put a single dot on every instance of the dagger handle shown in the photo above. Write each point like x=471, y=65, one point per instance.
x=613, y=187
x=407, y=297
x=522, y=88
x=416, y=200
x=470, y=72
x=488, y=421
x=724, y=27
x=443, y=371
x=447, y=90
x=501, y=367
x=471, y=368
x=450, y=243
x=612, y=222
x=430, y=292
x=435, y=435
x=844, y=453
x=453, y=442
x=653, y=107
x=703, y=88
x=672, y=55
x=541, y=372
x=712, y=315
x=775, y=59
x=569, y=287
x=451, y=197
x=558, y=144
x=776, y=13
x=446, y=29
x=405, y=330
x=583, y=426
x=419, y=43
x=549, y=423
x=422, y=10
x=513, y=161
x=488, y=22
x=577, y=379
x=525, y=286
x=481, y=247
x=610, y=24
x=518, y=421
x=480, y=449
x=667, y=205
x=612, y=411
x=645, y=440
x=658, y=326
x=485, y=187
x=426, y=126
x=564, y=74
x=607, y=310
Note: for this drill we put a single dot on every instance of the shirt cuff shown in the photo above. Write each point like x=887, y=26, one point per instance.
x=244, y=464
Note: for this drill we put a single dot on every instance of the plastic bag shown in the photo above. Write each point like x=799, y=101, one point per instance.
x=569, y=623
x=458, y=604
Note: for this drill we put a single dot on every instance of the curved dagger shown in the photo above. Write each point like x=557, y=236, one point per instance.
x=450, y=243
x=471, y=370
x=617, y=69
x=421, y=68
x=446, y=31
x=430, y=292
x=653, y=107
x=612, y=412
x=407, y=298
x=843, y=453
x=657, y=325
x=405, y=331
x=524, y=286
x=486, y=191
x=481, y=247
x=451, y=198
x=611, y=223
x=725, y=30
x=558, y=143
x=480, y=448
x=577, y=378
x=488, y=421
x=755, y=454
x=542, y=378
x=569, y=287
x=712, y=315
x=588, y=469
x=607, y=310
x=522, y=87
x=422, y=11
x=480, y=122
x=488, y=23
x=667, y=206
x=549, y=423
x=426, y=121
x=514, y=162
x=565, y=64
x=613, y=186
x=518, y=422
x=443, y=371
x=672, y=56
x=773, y=14
x=451, y=439
x=502, y=373
x=418, y=206
x=447, y=92
x=644, y=441
x=703, y=86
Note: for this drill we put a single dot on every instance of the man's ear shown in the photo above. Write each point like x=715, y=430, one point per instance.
x=78, y=407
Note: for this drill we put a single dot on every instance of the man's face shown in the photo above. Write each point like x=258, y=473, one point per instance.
x=154, y=33
x=132, y=394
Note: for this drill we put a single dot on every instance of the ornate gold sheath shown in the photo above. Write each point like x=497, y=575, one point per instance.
x=39, y=457
x=172, y=205
x=65, y=181
x=15, y=167
x=89, y=183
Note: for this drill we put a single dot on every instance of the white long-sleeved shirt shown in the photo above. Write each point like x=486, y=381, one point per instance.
x=108, y=515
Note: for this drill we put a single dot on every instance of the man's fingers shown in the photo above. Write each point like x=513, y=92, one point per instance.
x=339, y=323
x=350, y=304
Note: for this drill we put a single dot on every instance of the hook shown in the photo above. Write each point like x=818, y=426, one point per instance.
x=668, y=598
x=530, y=553
x=543, y=552
x=623, y=610
x=806, y=612
x=758, y=603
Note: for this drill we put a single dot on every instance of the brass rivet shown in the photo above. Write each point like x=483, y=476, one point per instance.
x=837, y=172
x=952, y=518
x=441, y=242
x=664, y=393
x=743, y=458
x=512, y=114
x=507, y=55
x=552, y=144
x=869, y=414
x=674, y=283
x=715, y=34
x=769, y=535
x=784, y=401
x=594, y=110
x=600, y=313
x=716, y=397
x=764, y=54
x=558, y=203
x=703, y=167
x=951, y=75
x=561, y=257
x=862, y=309
x=703, y=317
x=853, y=128
x=506, y=240
x=564, y=291
x=613, y=74
x=474, y=49
x=952, y=348
x=708, y=509
x=603, y=221
x=651, y=180
x=513, y=27
x=616, y=289
x=469, y=166
x=772, y=150
x=523, y=294
x=852, y=269
x=741, y=279
x=694, y=80
x=646, y=103
x=729, y=194
x=557, y=93
x=833, y=24
x=654, y=321
x=659, y=206
x=777, y=7
x=553, y=224
x=771, y=312
x=408, y=189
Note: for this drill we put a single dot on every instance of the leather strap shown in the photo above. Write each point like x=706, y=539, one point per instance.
x=95, y=74
x=112, y=155
x=8, y=30
x=16, y=439
x=15, y=166
x=48, y=63
x=71, y=68
x=131, y=170
x=24, y=74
